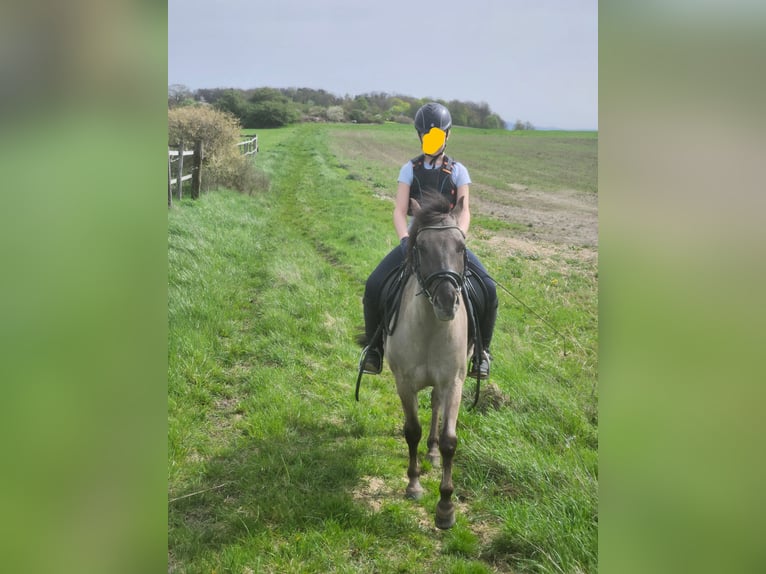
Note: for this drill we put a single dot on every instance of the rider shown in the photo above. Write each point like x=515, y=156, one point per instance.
x=431, y=171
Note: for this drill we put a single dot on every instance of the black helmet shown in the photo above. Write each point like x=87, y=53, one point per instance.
x=432, y=115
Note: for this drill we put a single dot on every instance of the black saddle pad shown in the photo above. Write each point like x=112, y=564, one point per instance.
x=392, y=284
x=474, y=289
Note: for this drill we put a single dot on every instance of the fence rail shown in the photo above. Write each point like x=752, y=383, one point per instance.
x=176, y=176
x=176, y=156
x=179, y=155
x=248, y=147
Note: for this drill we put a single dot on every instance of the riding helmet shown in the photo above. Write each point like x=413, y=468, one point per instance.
x=432, y=115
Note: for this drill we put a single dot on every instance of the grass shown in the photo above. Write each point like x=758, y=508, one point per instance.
x=497, y=159
x=272, y=465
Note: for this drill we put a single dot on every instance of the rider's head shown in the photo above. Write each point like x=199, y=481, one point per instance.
x=433, y=122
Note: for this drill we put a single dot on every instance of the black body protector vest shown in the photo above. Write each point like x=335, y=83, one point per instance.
x=436, y=180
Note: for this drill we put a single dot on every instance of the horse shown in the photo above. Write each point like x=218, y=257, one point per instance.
x=429, y=346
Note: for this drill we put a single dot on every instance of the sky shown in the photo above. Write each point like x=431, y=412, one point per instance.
x=530, y=60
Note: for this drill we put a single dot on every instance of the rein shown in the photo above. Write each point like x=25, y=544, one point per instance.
x=429, y=283
x=457, y=279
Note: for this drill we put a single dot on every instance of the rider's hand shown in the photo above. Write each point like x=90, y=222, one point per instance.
x=403, y=244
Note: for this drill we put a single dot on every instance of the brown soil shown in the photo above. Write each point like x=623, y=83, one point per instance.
x=551, y=222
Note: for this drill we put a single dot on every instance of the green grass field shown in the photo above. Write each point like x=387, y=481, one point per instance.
x=273, y=467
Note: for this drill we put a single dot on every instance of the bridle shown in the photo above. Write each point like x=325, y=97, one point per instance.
x=429, y=284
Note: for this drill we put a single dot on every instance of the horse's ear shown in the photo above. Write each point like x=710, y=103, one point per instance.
x=458, y=209
x=414, y=207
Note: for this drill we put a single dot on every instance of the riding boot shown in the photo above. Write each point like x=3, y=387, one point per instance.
x=487, y=325
x=480, y=365
x=373, y=309
x=372, y=355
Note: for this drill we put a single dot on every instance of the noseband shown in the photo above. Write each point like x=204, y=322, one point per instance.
x=431, y=282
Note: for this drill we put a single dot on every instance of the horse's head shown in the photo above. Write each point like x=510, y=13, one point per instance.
x=437, y=253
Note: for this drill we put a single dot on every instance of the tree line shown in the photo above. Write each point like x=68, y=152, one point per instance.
x=267, y=107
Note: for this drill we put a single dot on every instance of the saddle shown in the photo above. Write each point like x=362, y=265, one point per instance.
x=474, y=297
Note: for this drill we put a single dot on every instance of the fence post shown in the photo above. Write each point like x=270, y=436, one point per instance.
x=180, y=169
x=196, y=175
x=170, y=188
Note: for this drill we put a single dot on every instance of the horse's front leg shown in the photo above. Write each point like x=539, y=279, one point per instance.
x=445, y=509
x=433, y=436
x=412, y=432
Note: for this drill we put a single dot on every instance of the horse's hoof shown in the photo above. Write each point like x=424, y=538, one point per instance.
x=414, y=493
x=435, y=460
x=445, y=519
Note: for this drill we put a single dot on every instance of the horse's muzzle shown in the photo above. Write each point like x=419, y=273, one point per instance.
x=446, y=300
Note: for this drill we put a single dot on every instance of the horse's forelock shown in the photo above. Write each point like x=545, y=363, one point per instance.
x=434, y=209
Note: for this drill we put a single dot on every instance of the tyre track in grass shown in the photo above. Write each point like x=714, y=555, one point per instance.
x=331, y=212
x=304, y=173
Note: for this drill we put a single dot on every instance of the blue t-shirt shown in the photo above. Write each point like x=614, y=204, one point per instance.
x=459, y=173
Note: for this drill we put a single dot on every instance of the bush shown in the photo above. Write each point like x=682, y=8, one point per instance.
x=403, y=120
x=271, y=114
x=219, y=131
x=232, y=101
x=335, y=113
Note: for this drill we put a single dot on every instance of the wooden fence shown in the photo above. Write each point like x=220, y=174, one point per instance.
x=248, y=147
x=176, y=160
x=176, y=156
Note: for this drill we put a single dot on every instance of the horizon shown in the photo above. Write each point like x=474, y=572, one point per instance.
x=508, y=123
x=535, y=62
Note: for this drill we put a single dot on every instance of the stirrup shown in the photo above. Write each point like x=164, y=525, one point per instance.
x=482, y=369
x=371, y=361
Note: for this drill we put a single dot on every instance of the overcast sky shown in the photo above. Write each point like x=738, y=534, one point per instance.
x=532, y=60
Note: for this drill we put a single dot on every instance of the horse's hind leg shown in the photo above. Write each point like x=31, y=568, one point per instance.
x=412, y=432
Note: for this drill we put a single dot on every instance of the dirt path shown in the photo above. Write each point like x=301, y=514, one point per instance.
x=553, y=222
x=545, y=224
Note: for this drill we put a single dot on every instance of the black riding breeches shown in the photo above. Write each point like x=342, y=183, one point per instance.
x=487, y=319
x=373, y=288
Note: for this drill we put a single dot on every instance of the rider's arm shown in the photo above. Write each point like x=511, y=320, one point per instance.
x=465, y=216
x=400, y=209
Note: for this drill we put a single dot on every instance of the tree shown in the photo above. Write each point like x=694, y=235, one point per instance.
x=397, y=107
x=267, y=94
x=335, y=113
x=273, y=107
x=232, y=102
x=459, y=112
x=519, y=125
x=178, y=95
x=271, y=114
x=212, y=95
x=493, y=122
